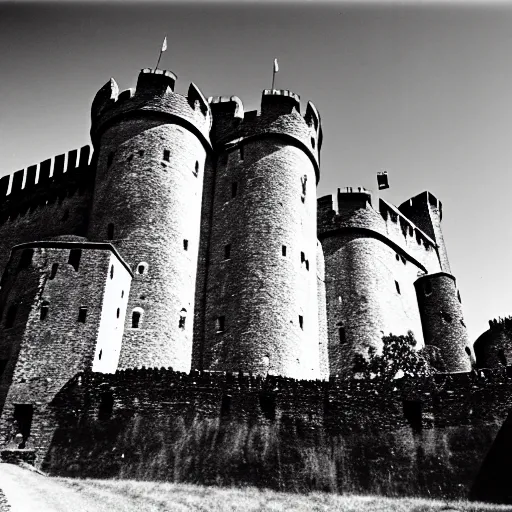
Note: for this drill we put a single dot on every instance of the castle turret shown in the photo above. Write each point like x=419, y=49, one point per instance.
x=370, y=269
x=442, y=320
x=426, y=211
x=151, y=146
x=260, y=312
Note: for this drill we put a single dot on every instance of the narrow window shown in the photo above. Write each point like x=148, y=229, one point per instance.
x=26, y=259
x=268, y=405
x=220, y=323
x=283, y=250
x=74, y=258
x=397, y=258
x=130, y=158
x=3, y=365
x=397, y=287
x=106, y=407
x=234, y=189
x=242, y=152
x=185, y=245
x=196, y=169
x=141, y=152
x=142, y=268
x=136, y=317
x=23, y=421
x=122, y=294
x=413, y=414
x=227, y=251
x=313, y=142
x=110, y=159
x=118, y=312
x=111, y=271
x=183, y=317
x=341, y=333
x=100, y=354
x=468, y=351
x=458, y=296
x=110, y=232
x=45, y=307
x=302, y=257
x=427, y=288
x=167, y=155
x=10, y=318
x=303, y=181
x=307, y=264
x=82, y=314
x=225, y=406
x=462, y=323
x=301, y=322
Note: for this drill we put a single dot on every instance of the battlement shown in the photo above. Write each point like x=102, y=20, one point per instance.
x=153, y=95
x=501, y=324
x=279, y=102
x=419, y=202
x=46, y=180
x=391, y=213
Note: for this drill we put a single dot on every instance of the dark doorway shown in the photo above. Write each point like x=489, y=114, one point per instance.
x=23, y=421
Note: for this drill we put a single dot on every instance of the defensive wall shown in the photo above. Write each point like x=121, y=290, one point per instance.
x=423, y=438
x=46, y=200
x=493, y=348
x=260, y=281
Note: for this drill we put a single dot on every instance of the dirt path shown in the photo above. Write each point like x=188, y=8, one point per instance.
x=27, y=491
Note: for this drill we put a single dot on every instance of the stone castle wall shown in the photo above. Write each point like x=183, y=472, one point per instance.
x=351, y=437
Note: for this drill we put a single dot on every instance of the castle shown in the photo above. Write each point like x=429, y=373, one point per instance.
x=191, y=239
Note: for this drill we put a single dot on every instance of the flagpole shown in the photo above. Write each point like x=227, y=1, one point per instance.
x=158, y=61
x=162, y=50
x=273, y=75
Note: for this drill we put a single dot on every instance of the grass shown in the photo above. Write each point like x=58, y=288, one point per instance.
x=153, y=496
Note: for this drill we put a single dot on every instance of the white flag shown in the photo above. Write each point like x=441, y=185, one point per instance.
x=276, y=66
x=164, y=44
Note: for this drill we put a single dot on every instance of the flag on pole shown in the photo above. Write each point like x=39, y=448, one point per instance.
x=164, y=44
x=276, y=66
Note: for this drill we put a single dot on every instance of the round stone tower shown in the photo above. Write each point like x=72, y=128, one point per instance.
x=151, y=146
x=442, y=320
x=261, y=282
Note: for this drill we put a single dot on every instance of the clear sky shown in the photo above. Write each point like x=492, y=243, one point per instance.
x=422, y=90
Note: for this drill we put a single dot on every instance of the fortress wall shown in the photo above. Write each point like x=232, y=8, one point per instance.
x=349, y=437
x=154, y=206
x=370, y=293
x=54, y=201
x=54, y=341
x=323, y=339
x=259, y=292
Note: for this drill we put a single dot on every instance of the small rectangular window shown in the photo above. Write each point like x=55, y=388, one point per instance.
x=242, y=152
x=234, y=189
x=283, y=250
x=74, y=258
x=307, y=264
x=301, y=322
x=185, y=245
x=167, y=155
x=82, y=314
x=397, y=287
x=227, y=251
x=220, y=323
x=26, y=259
x=302, y=257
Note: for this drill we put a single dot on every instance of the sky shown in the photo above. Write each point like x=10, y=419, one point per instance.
x=422, y=90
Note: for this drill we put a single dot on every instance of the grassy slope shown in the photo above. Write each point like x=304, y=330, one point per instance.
x=150, y=496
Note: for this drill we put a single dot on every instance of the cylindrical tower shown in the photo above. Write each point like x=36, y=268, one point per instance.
x=151, y=145
x=261, y=281
x=442, y=320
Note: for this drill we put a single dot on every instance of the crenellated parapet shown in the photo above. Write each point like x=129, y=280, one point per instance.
x=279, y=116
x=43, y=183
x=153, y=96
x=351, y=209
